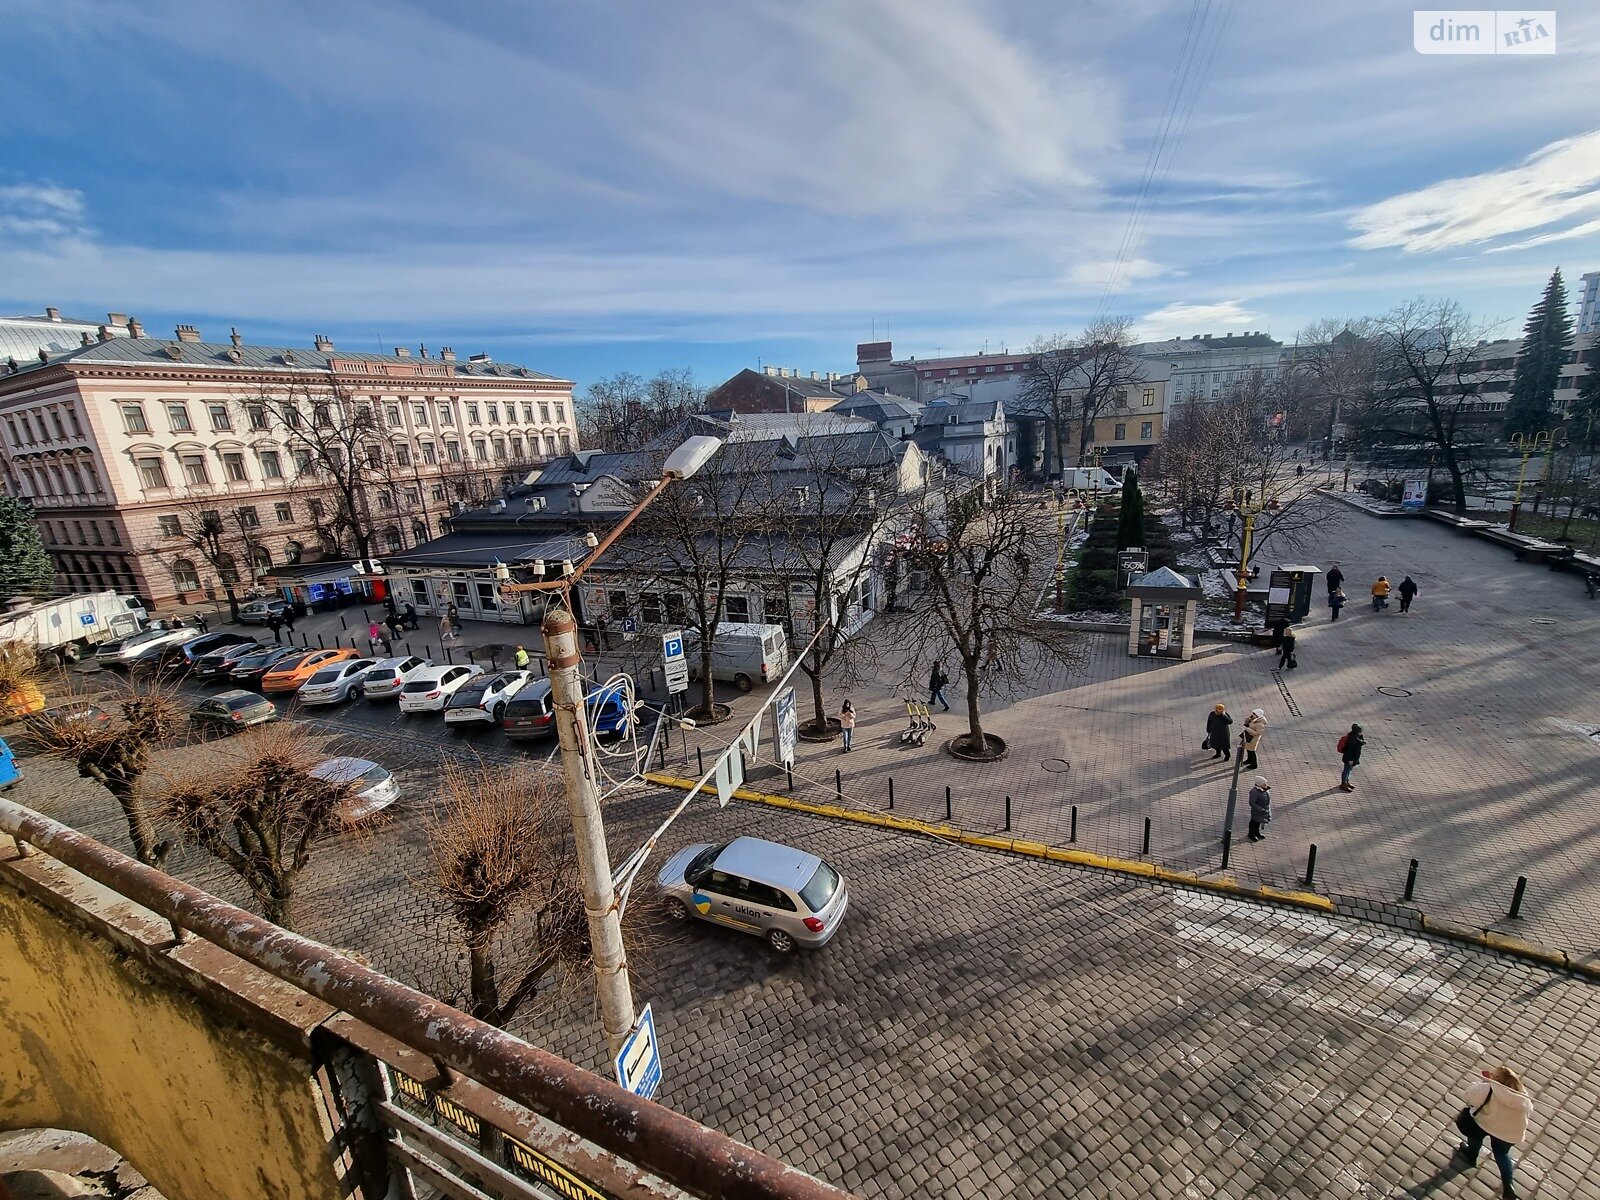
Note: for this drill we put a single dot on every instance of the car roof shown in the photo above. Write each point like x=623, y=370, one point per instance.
x=767, y=862
x=232, y=694
x=342, y=769
x=393, y=663
x=534, y=689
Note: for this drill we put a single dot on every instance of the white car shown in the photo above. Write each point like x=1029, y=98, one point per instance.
x=384, y=679
x=135, y=647
x=482, y=701
x=428, y=689
x=336, y=682
x=372, y=787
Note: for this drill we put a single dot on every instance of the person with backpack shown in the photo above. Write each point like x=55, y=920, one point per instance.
x=1350, y=754
x=1219, y=739
x=1408, y=593
x=1255, y=728
x=1260, y=808
x=1497, y=1108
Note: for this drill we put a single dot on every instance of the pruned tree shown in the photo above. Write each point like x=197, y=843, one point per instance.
x=504, y=868
x=25, y=566
x=263, y=816
x=971, y=547
x=837, y=498
x=144, y=714
x=1427, y=397
x=626, y=412
x=1073, y=381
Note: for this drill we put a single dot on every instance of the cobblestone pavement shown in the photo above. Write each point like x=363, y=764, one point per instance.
x=1482, y=760
x=986, y=1026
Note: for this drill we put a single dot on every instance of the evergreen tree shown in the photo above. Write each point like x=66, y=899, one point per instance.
x=1546, y=339
x=25, y=567
x=1130, y=521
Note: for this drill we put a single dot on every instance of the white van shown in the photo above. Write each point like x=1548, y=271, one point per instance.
x=1091, y=479
x=742, y=655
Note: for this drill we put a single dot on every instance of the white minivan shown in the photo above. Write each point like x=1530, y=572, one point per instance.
x=742, y=655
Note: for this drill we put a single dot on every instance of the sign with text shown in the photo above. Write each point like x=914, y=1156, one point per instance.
x=788, y=727
x=1131, y=564
x=1415, y=495
x=677, y=666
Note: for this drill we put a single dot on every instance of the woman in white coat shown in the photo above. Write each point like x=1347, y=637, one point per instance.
x=1498, y=1107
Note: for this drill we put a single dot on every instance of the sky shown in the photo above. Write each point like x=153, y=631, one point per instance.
x=629, y=184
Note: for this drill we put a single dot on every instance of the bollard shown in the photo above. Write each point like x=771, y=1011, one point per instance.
x=699, y=761
x=1516, y=897
x=947, y=815
x=891, y=793
x=427, y=651
x=1227, y=847
x=1008, y=813
x=342, y=625
x=838, y=785
x=788, y=771
x=1311, y=865
x=1411, y=881
x=320, y=646
x=1072, y=834
x=662, y=747
x=1146, y=848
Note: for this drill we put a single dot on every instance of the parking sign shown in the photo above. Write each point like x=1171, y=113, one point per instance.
x=677, y=667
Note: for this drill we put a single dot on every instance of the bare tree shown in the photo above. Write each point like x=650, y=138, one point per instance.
x=1338, y=361
x=116, y=753
x=221, y=540
x=625, y=411
x=1073, y=381
x=264, y=815
x=971, y=547
x=1427, y=397
x=504, y=868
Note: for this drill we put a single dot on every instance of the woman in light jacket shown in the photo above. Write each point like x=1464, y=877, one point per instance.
x=847, y=724
x=1498, y=1108
x=1255, y=728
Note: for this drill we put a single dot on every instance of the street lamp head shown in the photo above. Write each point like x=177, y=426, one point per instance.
x=690, y=457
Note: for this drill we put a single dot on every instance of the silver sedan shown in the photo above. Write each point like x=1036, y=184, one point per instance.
x=785, y=895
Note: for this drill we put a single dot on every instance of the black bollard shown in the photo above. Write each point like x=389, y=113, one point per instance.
x=891, y=793
x=342, y=625
x=1227, y=847
x=320, y=646
x=838, y=786
x=1311, y=865
x=1072, y=835
x=1008, y=812
x=1146, y=849
x=1411, y=881
x=699, y=761
x=947, y=815
x=788, y=770
x=662, y=756
x=1516, y=897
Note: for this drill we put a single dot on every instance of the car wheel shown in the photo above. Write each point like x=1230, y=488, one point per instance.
x=743, y=682
x=677, y=910
x=780, y=941
x=498, y=714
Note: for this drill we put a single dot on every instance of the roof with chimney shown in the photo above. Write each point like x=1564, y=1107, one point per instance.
x=872, y=404
x=22, y=338
x=187, y=350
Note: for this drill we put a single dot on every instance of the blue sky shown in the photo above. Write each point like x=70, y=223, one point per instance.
x=626, y=184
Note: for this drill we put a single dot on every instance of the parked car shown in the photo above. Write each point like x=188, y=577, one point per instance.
x=774, y=891
x=69, y=711
x=530, y=714
x=247, y=671
x=741, y=654
x=217, y=663
x=9, y=775
x=373, y=788
x=429, y=688
x=184, y=655
x=336, y=683
x=233, y=709
x=260, y=612
x=482, y=701
x=124, y=651
x=384, y=679
x=291, y=673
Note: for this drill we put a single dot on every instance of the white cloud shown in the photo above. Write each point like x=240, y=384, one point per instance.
x=41, y=213
x=1181, y=320
x=1098, y=274
x=1555, y=184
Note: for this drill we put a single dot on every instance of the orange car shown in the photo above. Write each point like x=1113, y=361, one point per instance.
x=292, y=672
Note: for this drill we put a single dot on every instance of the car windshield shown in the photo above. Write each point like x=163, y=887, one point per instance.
x=421, y=685
x=700, y=865
x=374, y=774
x=243, y=701
x=821, y=887
x=326, y=675
x=289, y=664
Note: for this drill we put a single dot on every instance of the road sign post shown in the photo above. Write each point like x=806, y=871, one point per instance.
x=677, y=666
x=638, y=1063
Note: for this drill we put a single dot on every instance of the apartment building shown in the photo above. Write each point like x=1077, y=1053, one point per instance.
x=1589, y=303
x=126, y=443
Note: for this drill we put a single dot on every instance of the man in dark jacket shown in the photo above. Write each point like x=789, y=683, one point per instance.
x=1335, y=579
x=936, y=681
x=1286, y=650
x=1408, y=593
x=1219, y=737
x=1350, y=752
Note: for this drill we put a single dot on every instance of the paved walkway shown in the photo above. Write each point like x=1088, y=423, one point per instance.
x=1481, y=759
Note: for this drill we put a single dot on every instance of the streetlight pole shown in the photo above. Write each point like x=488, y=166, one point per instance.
x=578, y=769
x=1529, y=447
x=1244, y=502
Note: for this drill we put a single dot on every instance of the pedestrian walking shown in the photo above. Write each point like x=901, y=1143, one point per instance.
x=288, y=619
x=1335, y=579
x=1299, y=470
x=372, y=645
x=411, y=617
x=446, y=629
x=372, y=633
x=936, y=681
x=1260, y=808
x=1255, y=729
x=847, y=724
x=520, y=658
x=1408, y=593
x=393, y=623
x=1219, y=738
x=1497, y=1108
x=1286, y=656
x=455, y=615
x=200, y=620
x=1276, y=627
x=1336, y=601
x=1350, y=754
x=1380, y=594
x=275, y=623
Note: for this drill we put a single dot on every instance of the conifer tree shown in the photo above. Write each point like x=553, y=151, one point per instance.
x=25, y=567
x=1546, y=339
x=1130, y=522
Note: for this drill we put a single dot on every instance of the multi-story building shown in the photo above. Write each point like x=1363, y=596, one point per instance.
x=128, y=445
x=1589, y=303
x=779, y=390
x=1203, y=367
x=976, y=376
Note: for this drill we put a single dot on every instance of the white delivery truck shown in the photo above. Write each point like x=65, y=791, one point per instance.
x=1091, y=479
x=742, y=655
x=70, y=628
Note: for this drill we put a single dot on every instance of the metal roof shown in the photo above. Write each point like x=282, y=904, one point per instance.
x=22, y=338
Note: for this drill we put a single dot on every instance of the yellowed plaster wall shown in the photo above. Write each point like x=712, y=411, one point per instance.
x=92, y=1040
